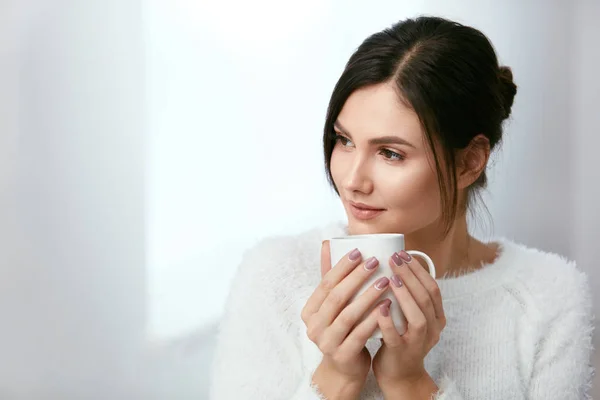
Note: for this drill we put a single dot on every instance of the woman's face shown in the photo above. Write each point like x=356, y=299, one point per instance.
x=381, y=160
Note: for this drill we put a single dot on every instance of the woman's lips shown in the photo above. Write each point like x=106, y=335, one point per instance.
x=364, y=213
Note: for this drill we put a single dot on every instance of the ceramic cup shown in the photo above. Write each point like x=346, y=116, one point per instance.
x=381, y=246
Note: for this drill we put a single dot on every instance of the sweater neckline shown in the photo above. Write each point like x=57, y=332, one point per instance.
x=488, y=276
x=469, y=283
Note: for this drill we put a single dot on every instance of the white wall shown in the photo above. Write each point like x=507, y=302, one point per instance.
x=72, y=254
x=219, y=96
x=585, y=137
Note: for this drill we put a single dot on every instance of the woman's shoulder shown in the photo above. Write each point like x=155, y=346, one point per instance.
x=553, y=281
x=541, y=265
x=288, y=258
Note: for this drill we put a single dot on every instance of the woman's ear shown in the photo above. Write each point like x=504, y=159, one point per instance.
x=472, y=160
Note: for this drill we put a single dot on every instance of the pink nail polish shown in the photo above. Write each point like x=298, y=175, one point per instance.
x=382, y=283
x=354, y=255
x=384, y=309
x=396, y=281
x=371, y=264
x=405, y=256
x=397, y=260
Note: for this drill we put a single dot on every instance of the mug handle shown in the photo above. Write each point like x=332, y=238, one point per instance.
x=426, y=258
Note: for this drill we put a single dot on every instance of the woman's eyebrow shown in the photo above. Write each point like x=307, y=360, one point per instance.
x=376, y=141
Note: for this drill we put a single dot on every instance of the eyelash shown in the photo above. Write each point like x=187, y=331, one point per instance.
x=387, y=153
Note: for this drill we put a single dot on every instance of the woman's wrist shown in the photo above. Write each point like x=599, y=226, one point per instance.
x=417, y=389
x=334, y=385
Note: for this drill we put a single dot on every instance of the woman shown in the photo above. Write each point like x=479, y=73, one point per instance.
x=408, y=134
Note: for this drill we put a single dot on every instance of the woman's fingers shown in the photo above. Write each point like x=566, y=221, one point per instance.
x=411, y=284
x=355, y=311
x=330, y=280
x=416, y=320
x=337, y=316
x=325, y=258
x=391, y=337
x=340, y=295
x=430, y=284
x=357, y=339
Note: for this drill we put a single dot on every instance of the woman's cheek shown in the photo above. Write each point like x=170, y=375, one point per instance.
x=413, y=195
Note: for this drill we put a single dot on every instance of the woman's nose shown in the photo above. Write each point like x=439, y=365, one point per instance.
x=358, y=178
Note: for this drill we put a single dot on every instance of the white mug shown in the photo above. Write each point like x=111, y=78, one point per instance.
x=380, y=246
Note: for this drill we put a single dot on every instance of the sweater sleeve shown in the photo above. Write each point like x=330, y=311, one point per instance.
x=447, y=390
x=562, y=368
x=257, y=354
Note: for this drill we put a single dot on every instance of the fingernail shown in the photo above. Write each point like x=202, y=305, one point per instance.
x=354, y=255
x=396, y=281
x=397, y=260
x=371, y=264
x=382, y=283
x=385, y=310
x=405, y=256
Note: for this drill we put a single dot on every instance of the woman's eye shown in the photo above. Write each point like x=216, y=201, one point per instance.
x=391, y=155
x=387, y=153
x=343, y=140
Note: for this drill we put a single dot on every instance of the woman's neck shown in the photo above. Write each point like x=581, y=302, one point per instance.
x=456, y=253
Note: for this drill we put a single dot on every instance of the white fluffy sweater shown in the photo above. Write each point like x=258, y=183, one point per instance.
x=520, y=328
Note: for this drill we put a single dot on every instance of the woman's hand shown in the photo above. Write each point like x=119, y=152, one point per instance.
x=340, y=329
x=398, y=365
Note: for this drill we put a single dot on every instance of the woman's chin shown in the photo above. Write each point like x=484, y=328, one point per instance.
x=367, y=227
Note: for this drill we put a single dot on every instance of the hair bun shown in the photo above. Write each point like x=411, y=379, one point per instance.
x=508, y=89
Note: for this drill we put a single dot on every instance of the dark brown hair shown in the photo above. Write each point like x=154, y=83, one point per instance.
x=449, y=75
